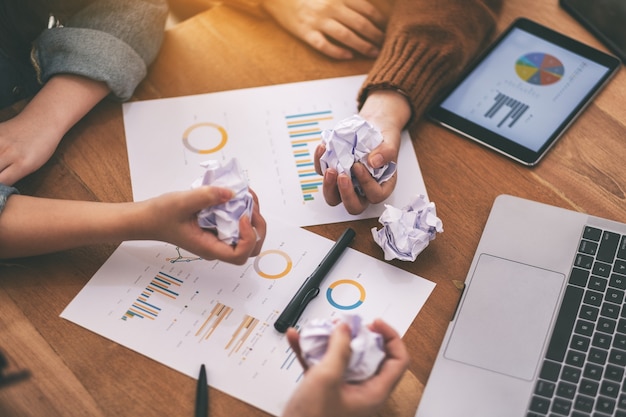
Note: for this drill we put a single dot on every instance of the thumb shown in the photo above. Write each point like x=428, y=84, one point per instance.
x=338, y=354
x=206, y=196
x=381, y=155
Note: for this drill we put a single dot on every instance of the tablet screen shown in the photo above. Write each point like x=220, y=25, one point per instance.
x=520, y=96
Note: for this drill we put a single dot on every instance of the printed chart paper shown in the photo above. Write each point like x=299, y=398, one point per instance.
x=183, y=311
x=272, y=131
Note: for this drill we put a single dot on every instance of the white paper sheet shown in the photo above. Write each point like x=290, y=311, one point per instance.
x=272, y=131
x=182, y=311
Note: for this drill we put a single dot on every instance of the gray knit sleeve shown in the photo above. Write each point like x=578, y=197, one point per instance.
x=112, y=41
x=5, y=193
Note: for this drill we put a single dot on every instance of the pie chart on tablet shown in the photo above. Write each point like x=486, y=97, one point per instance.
x=539, y=68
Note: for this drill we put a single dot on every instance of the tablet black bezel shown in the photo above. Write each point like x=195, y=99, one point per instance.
x=500, y=143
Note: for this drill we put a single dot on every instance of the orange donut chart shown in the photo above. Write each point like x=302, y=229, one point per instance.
x=331, y=300
x=219, y=146
x=281, y=274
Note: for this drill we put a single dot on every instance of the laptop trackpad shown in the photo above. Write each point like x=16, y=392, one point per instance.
x=505, y=316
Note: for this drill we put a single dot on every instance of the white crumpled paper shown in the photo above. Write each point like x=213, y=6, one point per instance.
x=352, y=140
x=406, y=232
x=224, y=218
x=367, y=346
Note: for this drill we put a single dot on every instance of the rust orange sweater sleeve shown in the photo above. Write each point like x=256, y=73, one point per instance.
x=426, y=46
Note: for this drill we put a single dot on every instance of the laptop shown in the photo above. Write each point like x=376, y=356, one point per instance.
x=539, y=329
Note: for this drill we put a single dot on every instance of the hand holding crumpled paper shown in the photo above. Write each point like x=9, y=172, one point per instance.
x=406, y=232
x=224, y=218
x=352, y=140
x=367, y=346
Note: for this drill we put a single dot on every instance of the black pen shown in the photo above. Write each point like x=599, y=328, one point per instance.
x=311, y=286
x=202, y=394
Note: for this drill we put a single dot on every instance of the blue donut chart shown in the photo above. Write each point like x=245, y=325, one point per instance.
x=334, y=303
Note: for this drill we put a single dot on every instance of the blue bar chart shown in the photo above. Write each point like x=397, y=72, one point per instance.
x=162, y=286
x=305, y=133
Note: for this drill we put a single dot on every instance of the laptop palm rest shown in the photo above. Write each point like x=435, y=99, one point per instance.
x=505, y=315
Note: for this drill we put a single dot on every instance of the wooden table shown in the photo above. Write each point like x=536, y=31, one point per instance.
x=77, y=372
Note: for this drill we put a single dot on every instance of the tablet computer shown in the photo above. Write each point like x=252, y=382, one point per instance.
x=526, y=89
x=604, y=18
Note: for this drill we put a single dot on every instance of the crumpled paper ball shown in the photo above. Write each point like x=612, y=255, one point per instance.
x=352, y=140
x=407, y=232
x=367, y=346
x=224, y=218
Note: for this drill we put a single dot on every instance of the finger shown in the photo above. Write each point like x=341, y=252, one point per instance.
x=293, y=337
x=374, y=192
x=353, y=203
x=259, y=224
x=337, y=356
x=346, y=36
x=397, y=356
x=319, y=151
x=383, y=154
x=329, y=188
x=248, y=240
x=206, y=196
x=368, y=10
x=319, y=42
x=361, y=25
x=8, y=176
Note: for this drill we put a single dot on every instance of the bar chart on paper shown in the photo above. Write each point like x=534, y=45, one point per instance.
x=181, y=314
x=305, y=134
x=274, y=142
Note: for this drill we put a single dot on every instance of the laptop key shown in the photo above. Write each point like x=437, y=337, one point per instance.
x=609, y=389
x=545, y=388
x=550, y=371
x=621, y=250
x=579, y=277
x=583, y=403
x=614, y=373
x=588, y=247
x=589, y=387
x=592, y=233
x=605, y=405
x=619, y=341
x=566, y=390
x=564, y=323
x=608, y=246
x=593, y=371
x=601, y=269
x=540, y=405
x=561, y=406
x=617, y=357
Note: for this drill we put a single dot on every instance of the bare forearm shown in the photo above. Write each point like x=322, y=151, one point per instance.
x=61, y=103
x=32, y=226
x=386, y=108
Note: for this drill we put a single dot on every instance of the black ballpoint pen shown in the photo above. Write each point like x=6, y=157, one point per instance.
x=202, y=394
x=311, y=286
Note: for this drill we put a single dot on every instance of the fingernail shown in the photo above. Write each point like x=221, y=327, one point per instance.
x=330, y=175
x=377, y=161
x=343, y=181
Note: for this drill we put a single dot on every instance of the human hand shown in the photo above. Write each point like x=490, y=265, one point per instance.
x=323, y=391
x=23, y=149
x=29, y=139
x=336, y=28
x=172, y=218
x=388, y=111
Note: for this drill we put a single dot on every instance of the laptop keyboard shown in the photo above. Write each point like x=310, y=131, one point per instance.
x=583, y=371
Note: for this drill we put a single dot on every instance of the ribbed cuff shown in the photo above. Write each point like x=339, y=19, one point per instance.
x=90, y=53
x=418, y=70
x=5, y=193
